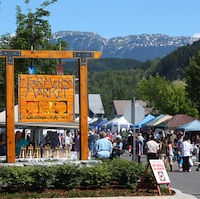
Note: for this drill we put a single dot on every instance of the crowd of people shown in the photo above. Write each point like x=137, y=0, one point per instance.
x=19, y=142
x=168, y=147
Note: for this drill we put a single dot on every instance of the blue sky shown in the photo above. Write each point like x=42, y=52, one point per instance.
x=112, y=18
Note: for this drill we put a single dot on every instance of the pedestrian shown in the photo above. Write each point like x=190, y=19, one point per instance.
x=102, y=147
x=3, y=144
x=68, y=143
x=130, y=143
x=175, y=148
x=180, y=161
x=20, y=141
x=141, y=138
x=185, y=150
x=138, y=148
x=173, y=137
x=77, y=143
x=93, y=137
x=151, y=148
x=181, y=135
x=170, y=155
x=118, y=149
x=163, y=146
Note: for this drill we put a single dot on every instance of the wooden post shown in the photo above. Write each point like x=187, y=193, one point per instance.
x=10, y=112
x=83, y=107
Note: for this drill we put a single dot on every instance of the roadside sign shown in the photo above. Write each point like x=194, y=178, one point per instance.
x=159, y=172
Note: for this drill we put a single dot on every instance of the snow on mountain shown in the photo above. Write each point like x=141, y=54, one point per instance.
x=140, y=47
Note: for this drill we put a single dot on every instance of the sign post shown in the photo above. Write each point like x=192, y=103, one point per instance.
x=133, y=122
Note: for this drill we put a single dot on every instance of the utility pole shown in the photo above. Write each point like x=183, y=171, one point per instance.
x=133, y=122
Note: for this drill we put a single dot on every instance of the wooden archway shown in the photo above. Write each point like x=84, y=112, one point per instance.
x=82, y=57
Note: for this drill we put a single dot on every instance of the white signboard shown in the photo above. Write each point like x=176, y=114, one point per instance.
x=159, y=171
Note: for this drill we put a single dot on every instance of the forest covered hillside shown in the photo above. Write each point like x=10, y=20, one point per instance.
x=117, y=79
x=173, y=65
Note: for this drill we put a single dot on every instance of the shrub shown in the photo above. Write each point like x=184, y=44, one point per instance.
x=17, y=177
x=67, y=176
x=126, y=172
x=43, y=178
x=96, y=176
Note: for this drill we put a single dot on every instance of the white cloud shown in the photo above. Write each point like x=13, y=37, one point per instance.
x=196, y=35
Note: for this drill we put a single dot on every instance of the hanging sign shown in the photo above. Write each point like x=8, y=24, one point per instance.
x=159, y=171
x=46, y=98
x=60, y=70
x=32, y=70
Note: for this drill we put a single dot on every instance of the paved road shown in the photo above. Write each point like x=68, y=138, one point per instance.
x=187, y=182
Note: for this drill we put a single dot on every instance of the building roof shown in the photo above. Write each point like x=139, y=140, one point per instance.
x=94, y=102
x=120, y=105
x=179, y=120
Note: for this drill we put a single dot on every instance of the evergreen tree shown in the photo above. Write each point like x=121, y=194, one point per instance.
x=192, y=75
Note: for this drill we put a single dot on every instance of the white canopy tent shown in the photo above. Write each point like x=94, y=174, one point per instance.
x=120, y=123
x=77, y=119
x=3, y=115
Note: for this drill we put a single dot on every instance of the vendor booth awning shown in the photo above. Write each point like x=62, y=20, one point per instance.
x=93, y=120
x=159, y=120
x=77, y=119
x=120, y=123
x=147, y=124
x=93, y=124
x=191, y=126
x=148, y=118
x=99, y=124
x=108, y=123
x=176, y=121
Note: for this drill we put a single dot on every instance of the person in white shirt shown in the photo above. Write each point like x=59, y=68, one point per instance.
x=68, y=143
x=151, y=148
x=186, y=152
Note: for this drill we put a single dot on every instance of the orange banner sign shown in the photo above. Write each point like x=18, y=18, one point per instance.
x=46, y=98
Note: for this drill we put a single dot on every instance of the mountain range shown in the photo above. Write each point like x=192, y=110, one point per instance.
x=141, y=47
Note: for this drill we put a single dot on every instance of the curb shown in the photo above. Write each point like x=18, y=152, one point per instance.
x=177, y=195
x=181, y=195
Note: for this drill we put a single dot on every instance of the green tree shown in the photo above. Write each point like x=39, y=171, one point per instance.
x=33, y=32
x=4, y=44
x=114, y=85
x=165, y=97
x=192, y=75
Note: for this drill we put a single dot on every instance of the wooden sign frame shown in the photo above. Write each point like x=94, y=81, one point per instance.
x=82, y=56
